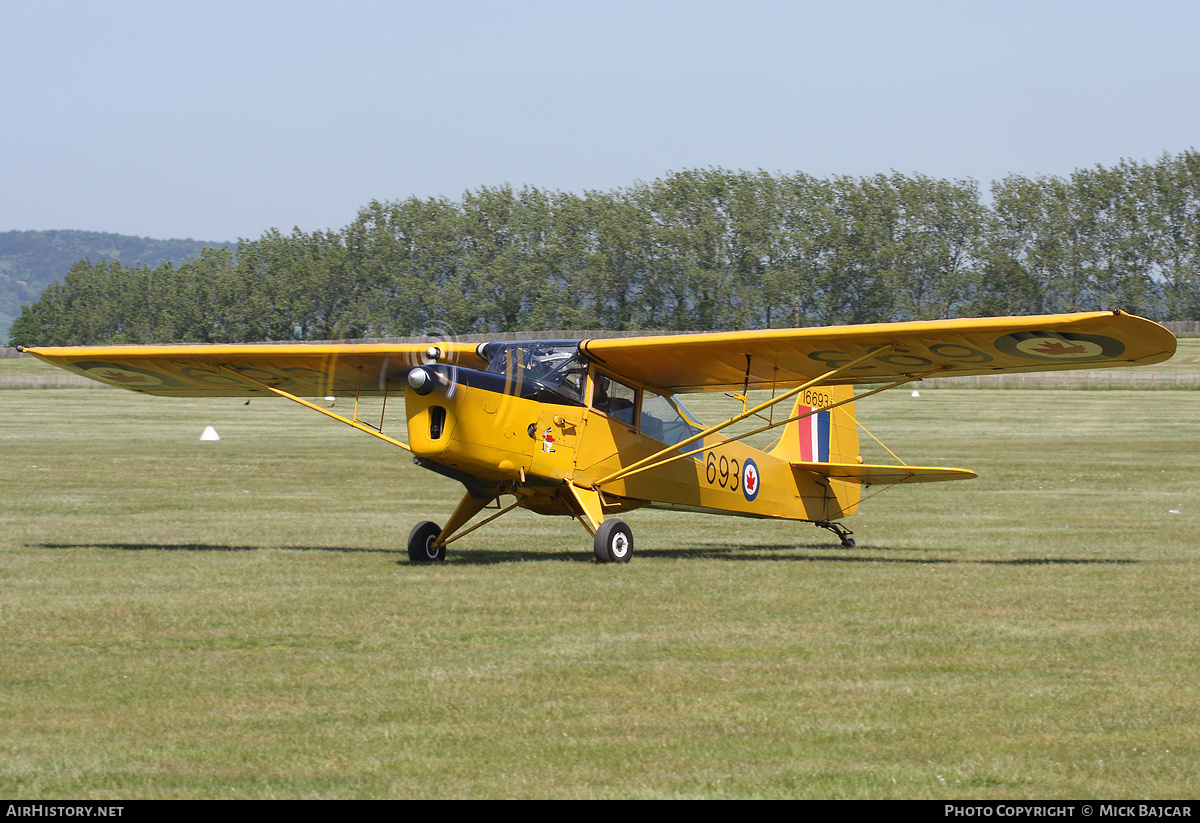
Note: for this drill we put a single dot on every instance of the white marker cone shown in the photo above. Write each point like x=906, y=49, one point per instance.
x=210, y=434
x=916, y=394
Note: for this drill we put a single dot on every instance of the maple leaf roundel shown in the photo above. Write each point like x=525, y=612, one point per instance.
x=750, y=482
x=1060, y=347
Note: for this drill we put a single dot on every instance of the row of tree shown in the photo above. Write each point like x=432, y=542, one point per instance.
x=700, y=249
x=32, y=260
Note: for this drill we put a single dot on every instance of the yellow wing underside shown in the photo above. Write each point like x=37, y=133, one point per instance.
x=777, y=358
x=782, y=358
x=337, y=370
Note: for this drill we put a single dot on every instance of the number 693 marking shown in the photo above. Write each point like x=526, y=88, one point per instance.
x=722, y=471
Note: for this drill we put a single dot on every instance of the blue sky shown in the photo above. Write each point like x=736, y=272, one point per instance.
x=219, y=120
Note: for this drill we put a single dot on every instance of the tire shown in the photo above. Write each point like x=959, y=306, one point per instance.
x=614, y=542
x=420, y=543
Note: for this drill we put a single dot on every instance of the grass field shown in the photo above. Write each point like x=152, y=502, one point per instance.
x=239, y=619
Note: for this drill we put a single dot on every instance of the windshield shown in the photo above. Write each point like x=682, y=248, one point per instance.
x=557, y=366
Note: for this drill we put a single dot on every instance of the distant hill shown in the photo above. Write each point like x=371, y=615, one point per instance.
x=32, y=260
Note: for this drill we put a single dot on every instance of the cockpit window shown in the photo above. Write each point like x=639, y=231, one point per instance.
x=614, y=398
x=667, y=419
x=556, y=366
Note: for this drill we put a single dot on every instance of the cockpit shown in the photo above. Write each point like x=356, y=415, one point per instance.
x=553, y=365
x=555, y=371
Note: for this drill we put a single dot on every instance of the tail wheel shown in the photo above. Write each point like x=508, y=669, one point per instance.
x=614, y=542
x=422, y=542
x=841, y=531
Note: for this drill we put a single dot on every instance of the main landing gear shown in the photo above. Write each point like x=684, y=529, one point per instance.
x=613, y=542
x=612, y=538
x=422, y=541
x=841, y=531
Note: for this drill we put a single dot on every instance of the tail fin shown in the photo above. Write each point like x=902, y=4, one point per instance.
x=829, y=436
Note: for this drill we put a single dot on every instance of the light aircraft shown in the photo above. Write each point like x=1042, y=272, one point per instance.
x=591, y=429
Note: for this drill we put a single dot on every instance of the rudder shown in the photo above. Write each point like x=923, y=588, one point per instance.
x=827, y=434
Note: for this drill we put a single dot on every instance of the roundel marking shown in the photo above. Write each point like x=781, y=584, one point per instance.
x=1060, y=347
x=750, y=481
x=129, y=377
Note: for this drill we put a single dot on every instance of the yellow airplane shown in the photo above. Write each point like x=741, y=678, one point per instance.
x=590, y=429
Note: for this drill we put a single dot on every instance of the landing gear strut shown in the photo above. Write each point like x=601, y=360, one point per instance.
x=841, y=531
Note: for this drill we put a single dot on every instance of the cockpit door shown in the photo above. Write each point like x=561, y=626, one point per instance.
x=555, y=441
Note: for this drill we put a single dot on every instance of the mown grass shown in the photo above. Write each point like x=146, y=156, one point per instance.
x=239, y=619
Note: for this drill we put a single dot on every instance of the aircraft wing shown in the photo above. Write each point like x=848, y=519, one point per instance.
x=305, y=370
x=778, y=358
x=782, y=358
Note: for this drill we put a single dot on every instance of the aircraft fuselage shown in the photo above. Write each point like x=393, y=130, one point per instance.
x=513, y=435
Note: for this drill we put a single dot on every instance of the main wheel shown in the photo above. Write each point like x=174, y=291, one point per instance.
x=421, y=540
x=614, y=542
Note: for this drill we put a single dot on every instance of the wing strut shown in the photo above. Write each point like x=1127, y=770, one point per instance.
x=761, y=429
x=651, y=461
x=360, y=426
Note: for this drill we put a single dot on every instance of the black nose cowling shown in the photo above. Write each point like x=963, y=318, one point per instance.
x=422, y=380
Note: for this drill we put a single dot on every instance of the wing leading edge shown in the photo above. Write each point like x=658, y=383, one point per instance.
x=782, y=358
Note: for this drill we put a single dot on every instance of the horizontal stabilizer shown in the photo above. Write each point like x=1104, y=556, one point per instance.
x=868, y=475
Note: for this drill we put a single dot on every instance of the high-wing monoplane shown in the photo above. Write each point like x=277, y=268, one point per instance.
x=591, y=429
